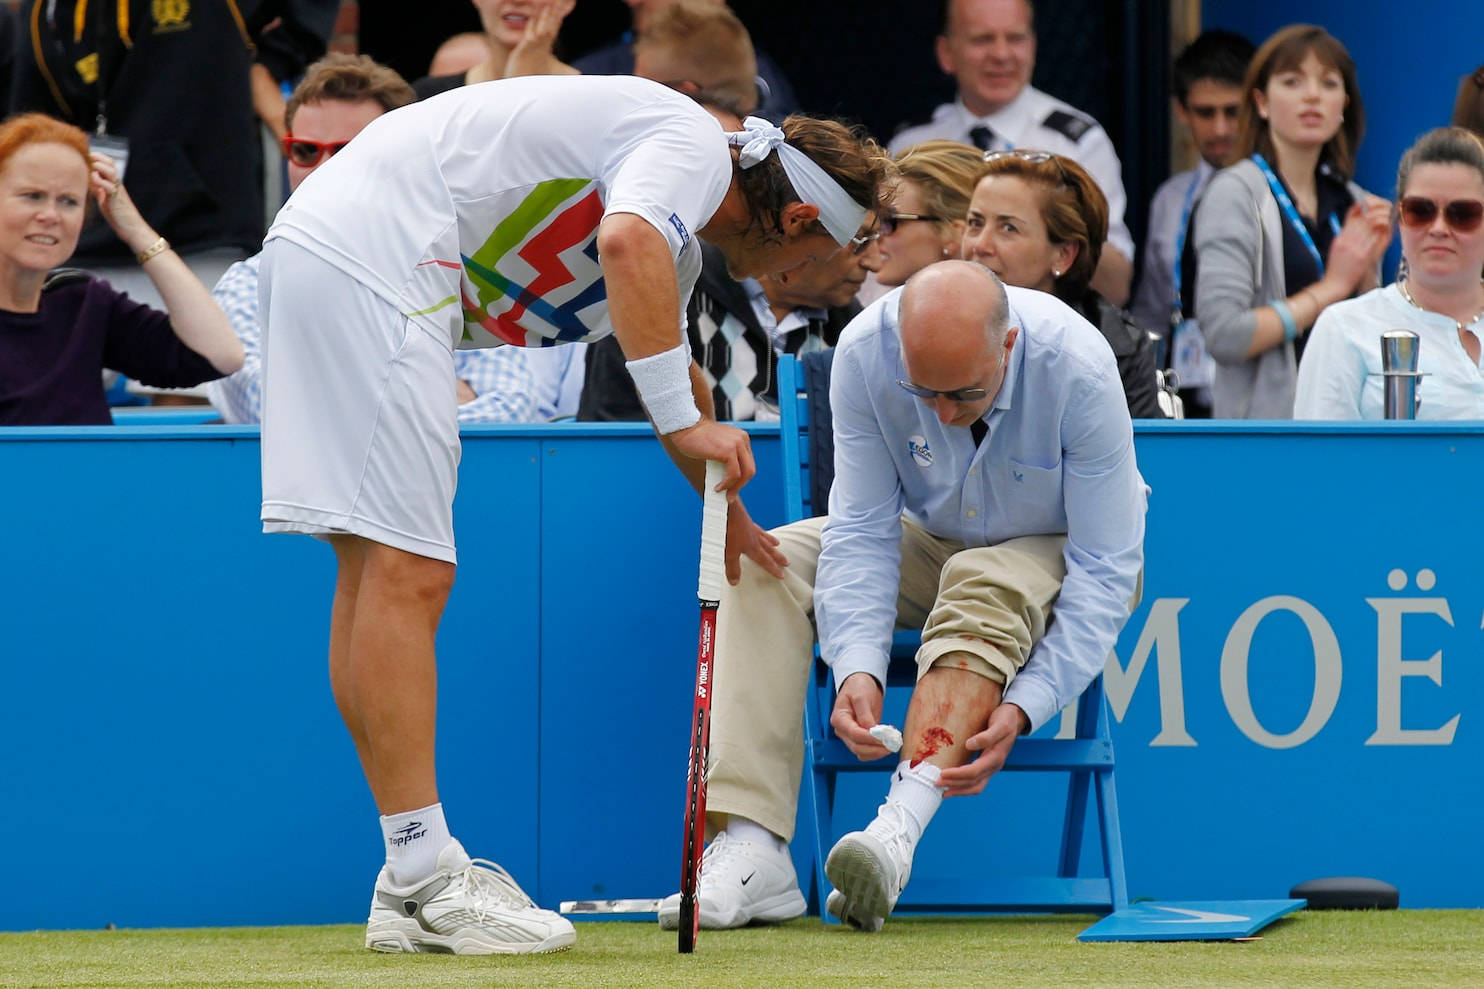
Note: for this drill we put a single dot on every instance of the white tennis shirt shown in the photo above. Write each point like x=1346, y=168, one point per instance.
x=476, y=212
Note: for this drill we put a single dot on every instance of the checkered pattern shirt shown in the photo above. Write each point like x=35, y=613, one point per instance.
x=499, y=376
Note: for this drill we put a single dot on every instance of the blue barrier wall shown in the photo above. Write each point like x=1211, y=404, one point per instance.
x=1295, y=696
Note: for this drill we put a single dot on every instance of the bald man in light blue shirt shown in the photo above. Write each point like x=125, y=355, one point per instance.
x=985, y=483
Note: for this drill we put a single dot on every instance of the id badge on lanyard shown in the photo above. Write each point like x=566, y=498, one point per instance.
x=115, y=146
x=1193, y=366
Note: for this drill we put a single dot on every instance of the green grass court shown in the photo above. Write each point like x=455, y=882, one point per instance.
x=1354, y=950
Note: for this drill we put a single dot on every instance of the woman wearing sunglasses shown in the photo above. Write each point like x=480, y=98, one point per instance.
x=1038, y=220
x=1438, y=295
x=60, y=328
x=926, y=221
x=1283, y=233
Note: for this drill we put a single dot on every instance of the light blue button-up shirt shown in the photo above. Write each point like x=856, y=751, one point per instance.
x=1058, y=458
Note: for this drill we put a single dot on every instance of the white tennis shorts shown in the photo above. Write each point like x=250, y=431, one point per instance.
x=360, y=411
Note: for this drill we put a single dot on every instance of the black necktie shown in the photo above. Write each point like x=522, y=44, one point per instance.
x=982, y=137
x=979, y=429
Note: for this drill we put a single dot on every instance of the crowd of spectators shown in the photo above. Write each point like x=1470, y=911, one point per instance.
x=1258, y=282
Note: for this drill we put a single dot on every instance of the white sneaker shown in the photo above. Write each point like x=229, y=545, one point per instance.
x=467, y=907
x=870, y=869
x=742, y=882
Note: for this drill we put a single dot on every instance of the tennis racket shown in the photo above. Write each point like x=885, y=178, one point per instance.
x=708, y=589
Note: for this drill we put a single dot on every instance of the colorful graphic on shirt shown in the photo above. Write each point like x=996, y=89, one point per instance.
x=536, y=280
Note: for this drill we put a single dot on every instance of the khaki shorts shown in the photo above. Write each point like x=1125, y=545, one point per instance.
x=981, y=609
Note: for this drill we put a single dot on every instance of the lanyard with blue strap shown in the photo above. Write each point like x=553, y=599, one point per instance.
x=1292, y=213
x=1177, y=310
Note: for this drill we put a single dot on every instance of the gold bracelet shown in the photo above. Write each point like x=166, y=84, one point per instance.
x=154, y=250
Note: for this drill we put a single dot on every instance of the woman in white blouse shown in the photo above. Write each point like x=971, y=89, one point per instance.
x=1438, y=294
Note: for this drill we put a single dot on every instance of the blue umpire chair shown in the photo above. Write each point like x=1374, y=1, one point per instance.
x=808, y=470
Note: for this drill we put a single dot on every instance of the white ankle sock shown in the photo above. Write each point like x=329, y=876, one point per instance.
x=916, y=790
x=744, y=830
x=413, y=841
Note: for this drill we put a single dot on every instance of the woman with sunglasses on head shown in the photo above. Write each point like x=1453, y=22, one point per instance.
x=1038, y=220
x=1283, y=233
x=60, y=328
x=926, y=221
x=1438, y=295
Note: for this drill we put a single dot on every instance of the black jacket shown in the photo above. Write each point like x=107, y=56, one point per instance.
x=1133, y=350
x=172, y=76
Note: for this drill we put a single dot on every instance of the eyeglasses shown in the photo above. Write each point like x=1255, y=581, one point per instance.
x=890, y=221
x=953, y=394
x=1462, y=215
x=859, y=244
x=306, y=153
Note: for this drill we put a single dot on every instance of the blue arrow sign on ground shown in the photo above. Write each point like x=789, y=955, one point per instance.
x=1189, y=920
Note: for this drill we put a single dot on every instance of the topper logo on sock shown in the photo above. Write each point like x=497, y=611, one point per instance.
x=679, y=226
x=408, y=832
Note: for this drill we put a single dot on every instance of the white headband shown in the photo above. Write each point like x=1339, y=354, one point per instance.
x=841, y=215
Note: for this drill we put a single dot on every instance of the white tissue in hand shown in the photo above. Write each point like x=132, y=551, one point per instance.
x=888, y=736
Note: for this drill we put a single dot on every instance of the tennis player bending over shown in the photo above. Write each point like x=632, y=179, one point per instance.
x=530, y=212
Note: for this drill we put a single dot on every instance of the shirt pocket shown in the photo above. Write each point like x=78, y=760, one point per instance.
x=1036, y=485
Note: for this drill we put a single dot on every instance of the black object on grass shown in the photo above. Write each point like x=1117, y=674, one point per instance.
x=1347, y=893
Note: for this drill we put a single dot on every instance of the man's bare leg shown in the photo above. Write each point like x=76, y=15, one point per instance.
x=869, y=868
x=383, y=670
x=350, y=559
x=947, y=707
x=389, y=675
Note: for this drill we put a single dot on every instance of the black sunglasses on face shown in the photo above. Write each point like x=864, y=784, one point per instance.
x=1462, y=215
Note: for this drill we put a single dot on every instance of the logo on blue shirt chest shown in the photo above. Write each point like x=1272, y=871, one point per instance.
x=918, y=447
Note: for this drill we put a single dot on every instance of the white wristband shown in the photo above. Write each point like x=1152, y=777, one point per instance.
x=663, y=383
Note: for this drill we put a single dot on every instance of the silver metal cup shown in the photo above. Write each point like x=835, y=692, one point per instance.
x=1399, y=367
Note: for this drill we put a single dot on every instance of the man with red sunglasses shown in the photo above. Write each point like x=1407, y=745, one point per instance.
x=528, y=212
x=339, y=95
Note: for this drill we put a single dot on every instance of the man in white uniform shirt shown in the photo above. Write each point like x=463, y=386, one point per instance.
x=989, y=47
x=526, y=212
x=985, y=483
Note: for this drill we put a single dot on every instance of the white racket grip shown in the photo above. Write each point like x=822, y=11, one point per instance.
x=713, y=533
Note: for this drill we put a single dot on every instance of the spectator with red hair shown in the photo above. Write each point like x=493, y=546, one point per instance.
x=60, y=329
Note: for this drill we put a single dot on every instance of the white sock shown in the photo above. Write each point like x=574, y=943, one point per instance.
x=915, y=789
x=742, y=829
x=413, y=841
